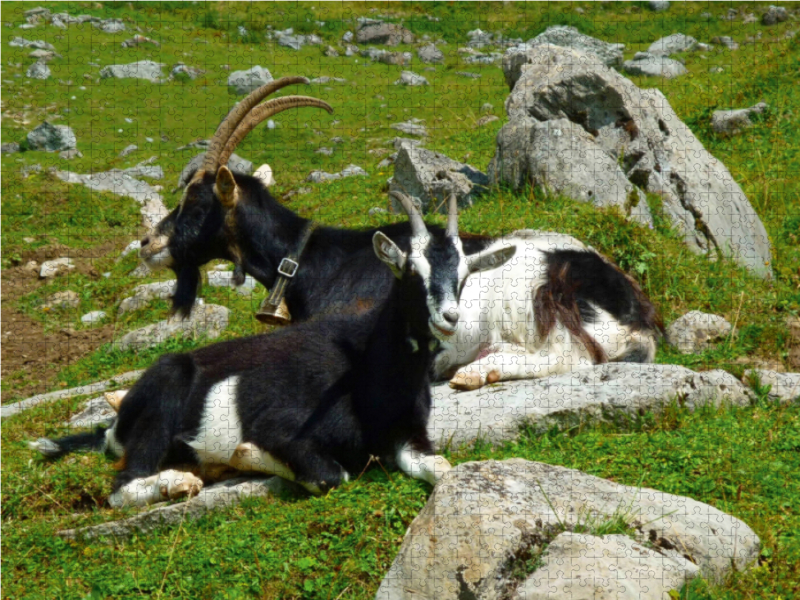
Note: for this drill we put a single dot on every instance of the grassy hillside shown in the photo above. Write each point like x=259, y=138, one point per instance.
x=744, y=461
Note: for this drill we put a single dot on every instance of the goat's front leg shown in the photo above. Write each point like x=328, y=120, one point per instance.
x=515, y=362
x=166, y=485
x=420, y=465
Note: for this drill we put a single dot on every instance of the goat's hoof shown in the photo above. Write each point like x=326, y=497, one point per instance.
x=493, y=376
x=466, y=381
x=179, y=484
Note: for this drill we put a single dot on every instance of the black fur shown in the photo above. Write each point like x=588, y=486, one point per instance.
x=321, y=396
x=337, y=269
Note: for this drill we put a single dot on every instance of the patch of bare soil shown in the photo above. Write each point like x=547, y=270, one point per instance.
x=31, y=359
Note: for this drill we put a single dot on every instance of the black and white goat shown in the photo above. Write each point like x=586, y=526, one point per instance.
x=310, y=403
x=557, y=305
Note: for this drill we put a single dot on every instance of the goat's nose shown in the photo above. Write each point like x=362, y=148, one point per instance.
x=145, y=241
x=451, y=316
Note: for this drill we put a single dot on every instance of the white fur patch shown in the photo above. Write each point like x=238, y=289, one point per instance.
x=166, y=485
x=111, y=443
x=249, y=457
x=220, y=431
x=428, y=467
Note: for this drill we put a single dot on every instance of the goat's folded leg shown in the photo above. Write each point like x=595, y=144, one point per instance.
x=314, y=471
x=421, y=465
x=166, y=485
x=514, y=362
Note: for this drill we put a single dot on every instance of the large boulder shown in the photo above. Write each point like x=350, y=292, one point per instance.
x=657, y=152
x=784, y=387
x=52, y=138
x=244, y=82
x=569, y=37
x=697, y=331
x=429, y=178
x=774, y=15
x=610, y=393
x=386, y=34
x=143, y=69
x=485, y=521
x=562, y=157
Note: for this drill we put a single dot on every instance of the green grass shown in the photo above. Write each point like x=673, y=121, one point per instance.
x=743, y=461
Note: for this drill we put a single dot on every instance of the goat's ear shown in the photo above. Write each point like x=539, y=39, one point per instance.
x=225, y=187
x=490, y=259
x=389, y=253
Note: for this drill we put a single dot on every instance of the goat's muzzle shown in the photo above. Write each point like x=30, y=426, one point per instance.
x=155, y=251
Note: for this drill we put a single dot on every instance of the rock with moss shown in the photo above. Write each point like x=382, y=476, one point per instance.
x=486, y=522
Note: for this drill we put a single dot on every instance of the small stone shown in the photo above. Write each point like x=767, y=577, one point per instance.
x=485, y=120
x=93, y=317
x=51, y=268
x=70, y=154
x=468, y=74
x=430, y=54
x=128, y=150
x=697, y=331
x=410, y=78
x=657, y=6
x=31, y=266
x=726, y=41
x=10, y=148
x=65, y=299
x=38, y=70
x=775, y=14
x=244, y=82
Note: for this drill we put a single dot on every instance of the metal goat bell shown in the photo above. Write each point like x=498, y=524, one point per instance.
x=274, y=314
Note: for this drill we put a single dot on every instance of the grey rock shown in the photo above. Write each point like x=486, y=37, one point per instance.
x=484, y=59
x=19, y=42
x=411, y=127
x=331, y=52
x=701, y=47
x=52, y=138
x=181, y=69
x=348, y=37
x=385, y=34
x=9, y=410
x=656, y=150
x=399, y=142
x=146, y=293
x=784, y=387
x=410, y=78
x=672, y=44
x=486, y=119
x=143, y=69
x=128, y=150
x=483, y=517
x=774, y=15
x=430, y=54
x=730, y=122
x=51, y=268
x=208, y=320
x=324, y=151
x=644, y=63
x=236, y=163
x=326, y=80
x=94, y=317
x=658, y=6
x=244, y=82
x=569, y=37
x=110, y=26
x=697, y=331
x=638, y=571
x=607, y=393
x=479, y=38
x=562, y=157
x=26, y=171
x=376, y=210
x=751, y=18
x=221, y=495
x=62, y=300
x=727, y=41
x=96, y=412
x=38, y=70
x=487, y=107
x=225, y=279
x=468, y=75
x=349, y=171
x=70, y=154
x=10, y=148
x=429, y=178
x=138, y=40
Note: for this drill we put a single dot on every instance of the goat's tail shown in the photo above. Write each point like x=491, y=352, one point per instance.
x=92, y=440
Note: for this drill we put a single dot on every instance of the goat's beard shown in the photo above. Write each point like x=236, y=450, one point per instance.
x=185, y=290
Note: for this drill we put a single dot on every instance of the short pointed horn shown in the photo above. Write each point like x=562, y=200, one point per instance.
x=452, y=216
x=262, y=113
x=418, y=227
x=240, y=111
x=114, y=399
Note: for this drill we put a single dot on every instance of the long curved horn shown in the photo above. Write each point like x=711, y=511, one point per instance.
x=452, y=217
x=263, y=112
x=418, y=227
x=239, y=112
